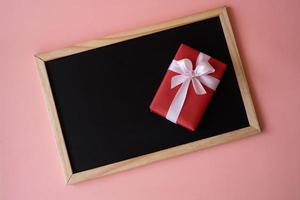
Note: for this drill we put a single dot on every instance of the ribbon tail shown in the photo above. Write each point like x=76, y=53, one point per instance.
x=178, y=101
x=199, y=89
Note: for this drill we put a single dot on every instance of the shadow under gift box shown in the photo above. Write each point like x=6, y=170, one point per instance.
x=195, y=105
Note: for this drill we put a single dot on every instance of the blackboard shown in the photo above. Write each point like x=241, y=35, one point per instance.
x=101, y=98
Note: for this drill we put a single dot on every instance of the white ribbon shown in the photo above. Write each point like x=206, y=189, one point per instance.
x=186, y=73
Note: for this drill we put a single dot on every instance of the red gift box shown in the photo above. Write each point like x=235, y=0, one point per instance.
x=187, y=88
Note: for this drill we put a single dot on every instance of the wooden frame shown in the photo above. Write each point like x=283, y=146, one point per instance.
x=254, y=128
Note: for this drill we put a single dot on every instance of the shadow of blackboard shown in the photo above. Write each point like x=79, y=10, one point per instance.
x=102, y=96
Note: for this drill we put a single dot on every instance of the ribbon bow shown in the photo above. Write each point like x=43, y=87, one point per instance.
x=186, y=74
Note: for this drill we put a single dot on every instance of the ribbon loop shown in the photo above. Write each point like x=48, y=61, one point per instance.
x=178, y=79
x=186, y=74
x=203, y=69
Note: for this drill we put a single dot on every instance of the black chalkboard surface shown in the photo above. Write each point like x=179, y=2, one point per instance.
x=102, y=96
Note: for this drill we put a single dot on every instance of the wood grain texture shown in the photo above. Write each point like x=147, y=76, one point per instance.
x=164, y=154
x=238, y=68
x=54, y=119
x=95, y=43
x=254, y=128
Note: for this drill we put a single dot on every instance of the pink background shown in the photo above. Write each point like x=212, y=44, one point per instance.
x=266, y=166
